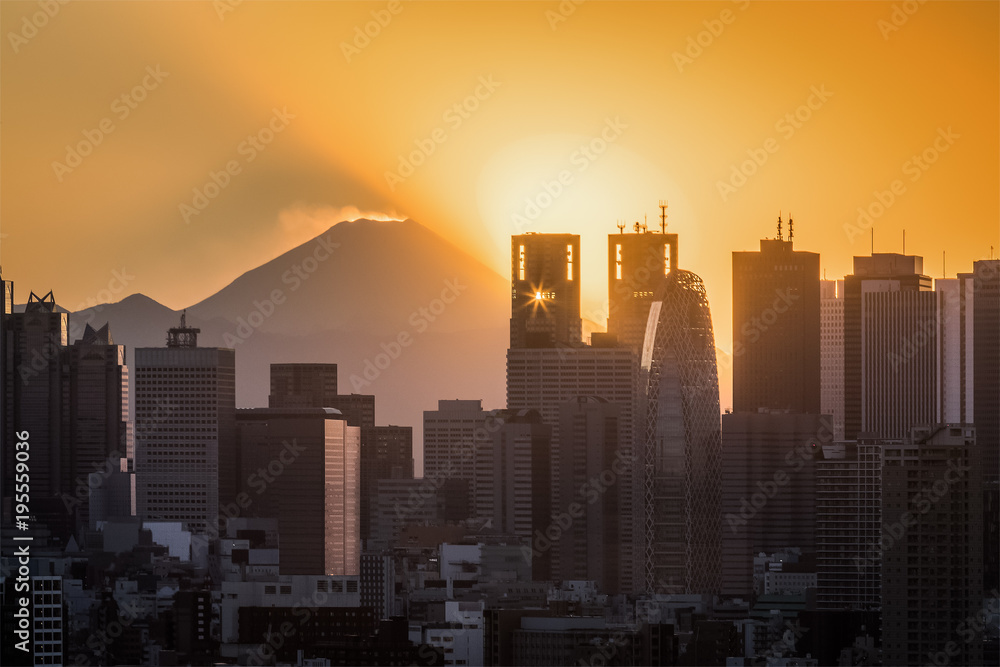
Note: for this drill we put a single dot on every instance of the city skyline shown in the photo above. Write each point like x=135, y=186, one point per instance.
x=672, y=130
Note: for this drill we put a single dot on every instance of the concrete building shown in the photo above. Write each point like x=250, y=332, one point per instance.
x=185, y=407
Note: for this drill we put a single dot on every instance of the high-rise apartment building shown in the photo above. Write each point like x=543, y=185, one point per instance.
x=776, y=328
x=545, y=290
x=186, y=459
x=932, y=581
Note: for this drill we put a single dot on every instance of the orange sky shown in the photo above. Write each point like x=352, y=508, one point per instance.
x=666, y=117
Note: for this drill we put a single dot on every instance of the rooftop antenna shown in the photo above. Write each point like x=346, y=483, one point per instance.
x=663, y=216
x=780, y=238
x=904, y=241
x=790, y=227
x=636, y=226
x=944, y=264
x=621, y=227
x=873, y=240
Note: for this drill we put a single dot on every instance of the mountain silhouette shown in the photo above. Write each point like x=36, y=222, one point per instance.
x=405, y=315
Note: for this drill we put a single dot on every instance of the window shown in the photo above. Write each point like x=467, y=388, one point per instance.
x=520, y=263
x=569, y=262
x=618, y=261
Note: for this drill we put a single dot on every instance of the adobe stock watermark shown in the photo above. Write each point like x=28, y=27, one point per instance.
x=591, y=491
x=454, y=116
x=562, y=12
x=915, y=167
x=900, y=14
x=968, y=630
x=30, y=25
x=249, y=148
x=795, y=459
x=696, y=44
x=223, y=7
x=295, y=276
x=786, y=126
x=419, y=320
x=922, y=502
x=381, y=18
x=581, y=158
x=122, y=107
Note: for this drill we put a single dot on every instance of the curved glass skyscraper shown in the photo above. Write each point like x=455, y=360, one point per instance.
x=679, y=393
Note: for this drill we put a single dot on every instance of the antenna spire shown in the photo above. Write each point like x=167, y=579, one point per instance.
x=663, y=216
x=780, y=238
x=790, y=227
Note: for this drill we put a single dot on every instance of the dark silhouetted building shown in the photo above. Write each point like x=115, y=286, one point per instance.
x=302, y=466
x=386, y=453
x=768, y=489
x=636, y=262
x=545, y=290
x=683, y=449
x=776, y=328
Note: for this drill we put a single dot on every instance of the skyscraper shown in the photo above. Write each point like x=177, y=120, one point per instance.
x=831, y=352
x=776, y=328
x=386, y=453
x=680, y=386
x=636, y=262
x=302, y=466
x=590, y=466
x=890, y=349
x=545, y=290
x=94, y=426
x=456, y=434
x=186, y=459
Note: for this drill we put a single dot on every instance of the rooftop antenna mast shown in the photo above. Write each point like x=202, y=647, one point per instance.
x=663, y=216
x=904, y=241
x=636, y=226
x=621, y=227
x=790, y=227
x=780, y=238
x=644, y=216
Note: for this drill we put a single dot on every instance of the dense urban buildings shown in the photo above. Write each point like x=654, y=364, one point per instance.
x=608, y=514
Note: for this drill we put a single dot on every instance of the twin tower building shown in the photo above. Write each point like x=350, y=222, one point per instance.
x=635, y=451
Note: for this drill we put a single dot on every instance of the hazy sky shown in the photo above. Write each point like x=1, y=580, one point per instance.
x=116, y=115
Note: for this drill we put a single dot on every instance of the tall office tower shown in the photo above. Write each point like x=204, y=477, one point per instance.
x=954, y=348
x=302, y=466
x=986, y=405
x=890, y=365
x=386, y=453
x=776, y=328
x=831, y=353
x=768, y=489
x=33, y=341
x=545, y=290
x=849, y=525
x=590, y=465
x=682, y=452
x=512, y=482
x=94, y=426
x=635, y=264
x=454, y=435
x=932, y=578
x=302, y=385
x=6, y=395
x=186, y=458
x=544, y=380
